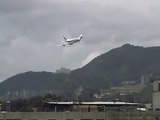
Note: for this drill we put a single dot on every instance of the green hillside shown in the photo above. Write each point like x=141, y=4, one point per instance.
x=126, y=63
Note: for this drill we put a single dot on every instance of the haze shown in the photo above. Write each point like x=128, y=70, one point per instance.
x=31, y=30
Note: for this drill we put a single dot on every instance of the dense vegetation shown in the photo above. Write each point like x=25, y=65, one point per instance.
x=30, y=104
x=126, y=63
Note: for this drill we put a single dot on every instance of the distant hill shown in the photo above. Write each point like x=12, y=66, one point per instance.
x=126, y=63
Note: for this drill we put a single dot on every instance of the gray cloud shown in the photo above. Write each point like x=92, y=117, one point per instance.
x=31, y=30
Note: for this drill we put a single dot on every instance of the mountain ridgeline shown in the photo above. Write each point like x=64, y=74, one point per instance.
x=126, y=63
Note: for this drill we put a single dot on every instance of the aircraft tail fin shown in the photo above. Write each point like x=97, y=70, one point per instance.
x=65, y=38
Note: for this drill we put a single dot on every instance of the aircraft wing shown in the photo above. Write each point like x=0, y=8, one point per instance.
x=62, y=44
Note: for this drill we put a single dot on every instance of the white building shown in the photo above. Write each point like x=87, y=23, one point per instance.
x=156, y=94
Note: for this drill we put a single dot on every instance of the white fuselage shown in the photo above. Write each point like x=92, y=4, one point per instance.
x=73, y=40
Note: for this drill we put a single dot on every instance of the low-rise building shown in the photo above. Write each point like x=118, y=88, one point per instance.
x=156, y=93
x=90, y=106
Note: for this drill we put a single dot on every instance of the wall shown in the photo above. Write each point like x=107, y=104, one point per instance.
x=79, y=116
x=156, y=95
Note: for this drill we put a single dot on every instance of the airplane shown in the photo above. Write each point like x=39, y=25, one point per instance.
x=71, y=41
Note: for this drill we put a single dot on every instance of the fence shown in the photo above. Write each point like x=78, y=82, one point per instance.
x=80, y=116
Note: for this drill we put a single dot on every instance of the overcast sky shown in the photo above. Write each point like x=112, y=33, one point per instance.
x=30, y=31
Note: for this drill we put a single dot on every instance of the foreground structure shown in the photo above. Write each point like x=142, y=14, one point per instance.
x=80, y=116
x=91, y=106
x=156, y=93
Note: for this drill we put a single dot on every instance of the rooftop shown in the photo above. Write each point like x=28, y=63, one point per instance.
x=155, y=78
x=92, y=103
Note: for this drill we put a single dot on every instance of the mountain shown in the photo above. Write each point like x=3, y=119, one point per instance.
x=126, y=63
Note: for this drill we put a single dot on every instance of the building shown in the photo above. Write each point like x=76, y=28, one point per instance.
x=90, y=106
x=156, y=93
x=63, y=70
x=122, y=90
